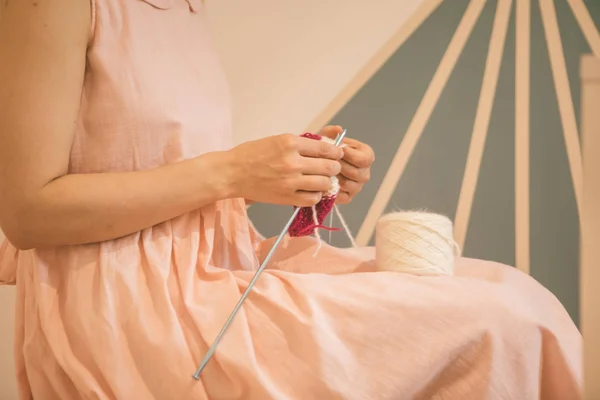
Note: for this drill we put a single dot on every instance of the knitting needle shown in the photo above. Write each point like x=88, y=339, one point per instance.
x=213, y=347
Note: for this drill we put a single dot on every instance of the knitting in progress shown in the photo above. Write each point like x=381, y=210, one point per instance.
x=310, y=219
x=418, y=243
x=284, y=233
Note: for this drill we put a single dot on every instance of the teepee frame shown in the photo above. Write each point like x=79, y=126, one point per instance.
x=582, y=176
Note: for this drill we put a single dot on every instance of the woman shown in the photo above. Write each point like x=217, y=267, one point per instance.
x=128, y=239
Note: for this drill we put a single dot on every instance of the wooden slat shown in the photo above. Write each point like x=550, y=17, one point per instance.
x=586, y=24
x=563, y=94
x=522, y=101
x=413, y=134
x=590, y=226
x=482, y=121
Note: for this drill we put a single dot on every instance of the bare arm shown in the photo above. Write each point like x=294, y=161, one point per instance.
x=43, y=47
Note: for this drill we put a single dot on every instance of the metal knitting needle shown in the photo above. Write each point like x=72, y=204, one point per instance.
x=213, y=347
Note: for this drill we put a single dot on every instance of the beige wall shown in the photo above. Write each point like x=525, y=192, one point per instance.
x=287, y=60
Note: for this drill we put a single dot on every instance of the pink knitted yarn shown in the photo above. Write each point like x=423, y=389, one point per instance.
x=304, y=223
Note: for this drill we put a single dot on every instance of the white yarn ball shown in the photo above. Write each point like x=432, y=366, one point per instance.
x=417, y=243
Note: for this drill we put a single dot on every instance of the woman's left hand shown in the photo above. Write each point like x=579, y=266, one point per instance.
x=356, y=165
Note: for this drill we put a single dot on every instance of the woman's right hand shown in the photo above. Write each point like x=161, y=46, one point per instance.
x=283, y=169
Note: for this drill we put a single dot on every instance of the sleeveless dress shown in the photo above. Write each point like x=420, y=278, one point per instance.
x=131, y=319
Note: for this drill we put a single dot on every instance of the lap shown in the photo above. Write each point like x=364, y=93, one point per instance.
x=320, y=327
x=337, y=307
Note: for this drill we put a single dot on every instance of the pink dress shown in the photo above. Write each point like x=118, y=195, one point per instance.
x=130, y=319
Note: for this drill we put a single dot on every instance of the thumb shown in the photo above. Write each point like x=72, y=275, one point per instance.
x=331, y=131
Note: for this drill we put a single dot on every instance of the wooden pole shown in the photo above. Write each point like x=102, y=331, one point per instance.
x=590, y=225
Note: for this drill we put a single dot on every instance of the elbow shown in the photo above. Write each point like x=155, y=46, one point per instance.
x=17, y=232
x=18, y=238
x=21, y=218
x=21, y=243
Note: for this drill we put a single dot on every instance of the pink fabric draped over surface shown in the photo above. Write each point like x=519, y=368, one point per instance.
x=132, y=318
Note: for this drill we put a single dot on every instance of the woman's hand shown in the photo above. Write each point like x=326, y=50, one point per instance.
x=356, y=165
x=284, y=169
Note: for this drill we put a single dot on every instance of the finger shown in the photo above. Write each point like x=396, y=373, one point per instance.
x=351, y=187
x=351, y=172
x=319, y=149
x=343, y=198
x=306, y=199
x=313, y=183
x=320, y=166
x=331, y=131
x=361, y=156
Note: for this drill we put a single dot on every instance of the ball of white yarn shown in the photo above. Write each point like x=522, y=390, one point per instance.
x=418, y=243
